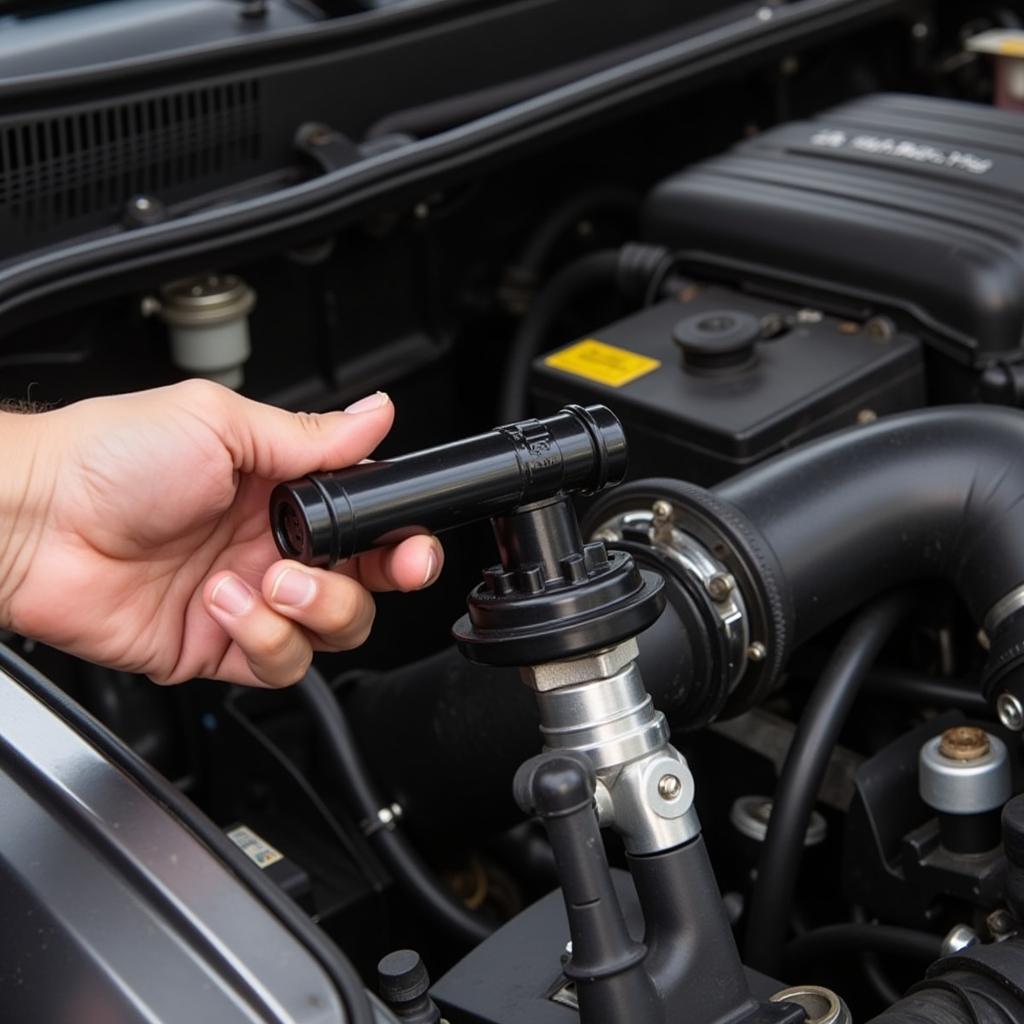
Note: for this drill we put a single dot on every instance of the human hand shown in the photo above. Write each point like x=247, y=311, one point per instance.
x=137, y=534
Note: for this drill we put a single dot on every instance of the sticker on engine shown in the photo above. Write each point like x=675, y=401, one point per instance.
x=598, y=361
x=258, y=850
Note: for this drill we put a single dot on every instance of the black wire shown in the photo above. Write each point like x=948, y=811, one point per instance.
x=415, y=878
x=585, y=274
x=852, y=937
x=331, y=959
x=815, y=737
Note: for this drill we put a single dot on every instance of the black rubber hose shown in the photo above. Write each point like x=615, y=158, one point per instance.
x=595, y=270
x=414, y=877
x=835, y=939
x=348, y=984
x=923, y=690
x=816, y=735
x=542, y=241
x=932, y=494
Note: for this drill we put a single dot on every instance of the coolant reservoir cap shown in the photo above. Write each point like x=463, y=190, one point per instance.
x=718, y=340
x=206, y=300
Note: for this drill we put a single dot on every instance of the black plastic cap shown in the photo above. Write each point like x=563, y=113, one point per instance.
x=554, y=783
x=718, y=340
x=402, y=977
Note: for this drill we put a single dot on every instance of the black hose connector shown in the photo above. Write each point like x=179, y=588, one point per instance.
x=607, y=964
x=326, y=518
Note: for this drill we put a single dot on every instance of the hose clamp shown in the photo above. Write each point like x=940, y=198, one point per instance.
x=1003, y=609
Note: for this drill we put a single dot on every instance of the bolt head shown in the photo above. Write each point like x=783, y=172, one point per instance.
x=720, y=586
x=757, y=651
x=662, y=509
x=1010, y=711
x=669, y=787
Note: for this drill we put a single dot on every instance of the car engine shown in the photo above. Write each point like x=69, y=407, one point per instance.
x=704, y=325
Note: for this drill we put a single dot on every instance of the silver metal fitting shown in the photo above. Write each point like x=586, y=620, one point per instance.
x=207, y=318
x=713, y=576
x=1010, y=711
x=960, y=936
x=954, y=784
x=598, y=706
x=604, y=664
x=820, y=1004
x=749, y=815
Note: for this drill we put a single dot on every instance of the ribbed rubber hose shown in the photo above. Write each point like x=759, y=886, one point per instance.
x=815, y=737
x=592, y=271
x=412, y=875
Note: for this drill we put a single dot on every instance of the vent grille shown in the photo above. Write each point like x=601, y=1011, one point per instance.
x=75, y=165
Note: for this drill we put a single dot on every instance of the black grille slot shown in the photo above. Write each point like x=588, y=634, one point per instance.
x=64, y=167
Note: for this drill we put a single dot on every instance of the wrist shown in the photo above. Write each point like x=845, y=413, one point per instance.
x=26, y=487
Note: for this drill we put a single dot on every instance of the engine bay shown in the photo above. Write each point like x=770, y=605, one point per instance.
x=705, y=335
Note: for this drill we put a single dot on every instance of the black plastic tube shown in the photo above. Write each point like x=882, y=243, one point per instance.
x=595, y=270
x=327, y=517
x=410, y=872
x=851, y=937
x=922, y=495
x=815, y=737
x=356, y=999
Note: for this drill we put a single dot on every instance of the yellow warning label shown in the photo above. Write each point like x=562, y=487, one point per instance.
x=607, y=364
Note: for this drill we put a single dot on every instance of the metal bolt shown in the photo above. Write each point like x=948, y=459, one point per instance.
x=960, y=936
x=1010, y=711
x=757, y=651
x=1000, y=924
x=867, y=416
x=720, y=586
x=662, y=509
x=669, y=787
x=809, y=316
x=964, y=743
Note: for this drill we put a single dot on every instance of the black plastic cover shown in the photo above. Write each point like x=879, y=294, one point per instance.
x=909, y=204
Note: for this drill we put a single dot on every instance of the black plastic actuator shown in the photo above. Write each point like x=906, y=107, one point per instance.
x=553, y=596
x=326, y=518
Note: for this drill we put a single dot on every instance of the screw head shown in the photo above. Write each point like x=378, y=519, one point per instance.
x=669, y=787
x=1010, y=711
x=757, y=651
x=720, y=586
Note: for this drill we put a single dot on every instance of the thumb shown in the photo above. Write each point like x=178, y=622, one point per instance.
x=277, y=445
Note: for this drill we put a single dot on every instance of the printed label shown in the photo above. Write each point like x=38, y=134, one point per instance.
x=260, y=852
x=598, y=361
x=903, y=149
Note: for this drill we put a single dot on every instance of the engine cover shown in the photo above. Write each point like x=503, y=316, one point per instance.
x=904, y=204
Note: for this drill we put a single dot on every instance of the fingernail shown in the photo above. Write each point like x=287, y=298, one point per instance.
x=293, y=588
x=369, y=403
x=231, y=595
x=431, y=568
